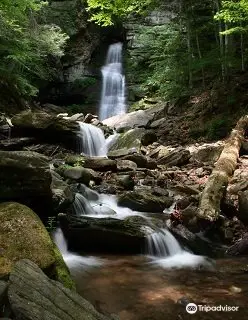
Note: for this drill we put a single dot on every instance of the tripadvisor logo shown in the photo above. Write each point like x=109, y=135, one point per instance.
x=193, y=308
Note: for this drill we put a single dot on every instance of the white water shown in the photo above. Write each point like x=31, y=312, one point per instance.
x=91, y=140
x=73, y=261
x=113, y=87
x=162, y=247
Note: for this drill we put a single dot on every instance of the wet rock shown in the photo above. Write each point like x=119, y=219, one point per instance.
x=144, y=201
x=197, y=243
x=175, y=158
x=23, y=236
x=126, y=181
x=106, y=234
x=148, y=138
x=243, y=206
x=126, y=165
x=234, y=289
x=141, y=161
x=63, y=197
x=3, y=291
x=25, y=177
x=89, y=117
x=16, y=144
x=80, y=174
x=240, y=247
x=33, y=295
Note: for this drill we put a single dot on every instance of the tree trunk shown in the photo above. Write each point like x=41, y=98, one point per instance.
x=209, y=208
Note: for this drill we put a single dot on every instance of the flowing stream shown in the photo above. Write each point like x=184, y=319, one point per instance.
x=113, y=86
x=91, y=140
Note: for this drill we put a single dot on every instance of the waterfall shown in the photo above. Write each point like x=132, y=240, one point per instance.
x=113, y=87
x=92, y=140
x=162, y=244
x=81, y=206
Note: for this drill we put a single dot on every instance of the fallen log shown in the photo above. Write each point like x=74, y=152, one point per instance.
x=209, y=208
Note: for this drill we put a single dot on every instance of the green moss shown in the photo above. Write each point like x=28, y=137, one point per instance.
x=62, y=273
x=23, y=236
x=75, y=160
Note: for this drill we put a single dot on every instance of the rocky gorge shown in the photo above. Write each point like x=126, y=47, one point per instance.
x=150, y=180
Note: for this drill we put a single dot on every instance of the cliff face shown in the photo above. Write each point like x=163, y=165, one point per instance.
x=79, y=71
x=159, y=16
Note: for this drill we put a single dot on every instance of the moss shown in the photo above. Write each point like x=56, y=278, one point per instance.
x=129, y=139
x=23, y=236
x=75, y=160
x=62, y=273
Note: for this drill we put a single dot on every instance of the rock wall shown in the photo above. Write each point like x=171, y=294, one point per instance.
x=159, y=16
x=79, y=77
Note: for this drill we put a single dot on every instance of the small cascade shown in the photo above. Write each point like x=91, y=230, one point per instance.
x=92, y=140
x=113, y=87
x=73, y=261
x=162, y=244
x=81, y=206
x=166, y=252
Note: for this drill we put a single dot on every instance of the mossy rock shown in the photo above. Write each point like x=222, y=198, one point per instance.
x=130, y=139
x=23, y=236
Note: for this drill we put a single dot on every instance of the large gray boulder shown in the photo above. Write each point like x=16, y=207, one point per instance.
x=46, y=127
x=144, y=201
x=33, y=296
x=106, y=234
x=25, y=177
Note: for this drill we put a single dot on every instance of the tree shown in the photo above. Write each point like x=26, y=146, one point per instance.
x=104, y=12
x=26, y=45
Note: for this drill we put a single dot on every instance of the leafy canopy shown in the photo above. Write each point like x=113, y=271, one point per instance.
x=26, y=45
x=104, y=12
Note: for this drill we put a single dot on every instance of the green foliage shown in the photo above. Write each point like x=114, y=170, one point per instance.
x=75, y=108
x=104, y=12
x=26, y=45
x=84, y=83
x=234, y=13
x=51, y=224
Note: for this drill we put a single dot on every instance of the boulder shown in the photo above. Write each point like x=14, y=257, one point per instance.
x=141, y=161
x=79, y=174
x=63, y=197
x=95, y=163
x=148, y=138
x=106, y=234
x=243, y=206
x=32, y=295
x=15, y=144
x=25, y=177
x=206, y=152
x=129, y=139
x=120, y=153
x=126, y=181
x=144, y=201
x=46, y=127
x=100, y=164
x=126, y=165
x=23, y=236
x=240, y=247
x=177, y=157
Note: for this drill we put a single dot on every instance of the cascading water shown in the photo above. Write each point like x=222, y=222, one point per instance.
x=91, y=140
x=73, y=261
x=113, y=87
x=161, y=246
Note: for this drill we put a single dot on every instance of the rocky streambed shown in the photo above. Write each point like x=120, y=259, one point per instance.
x=125, y=203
